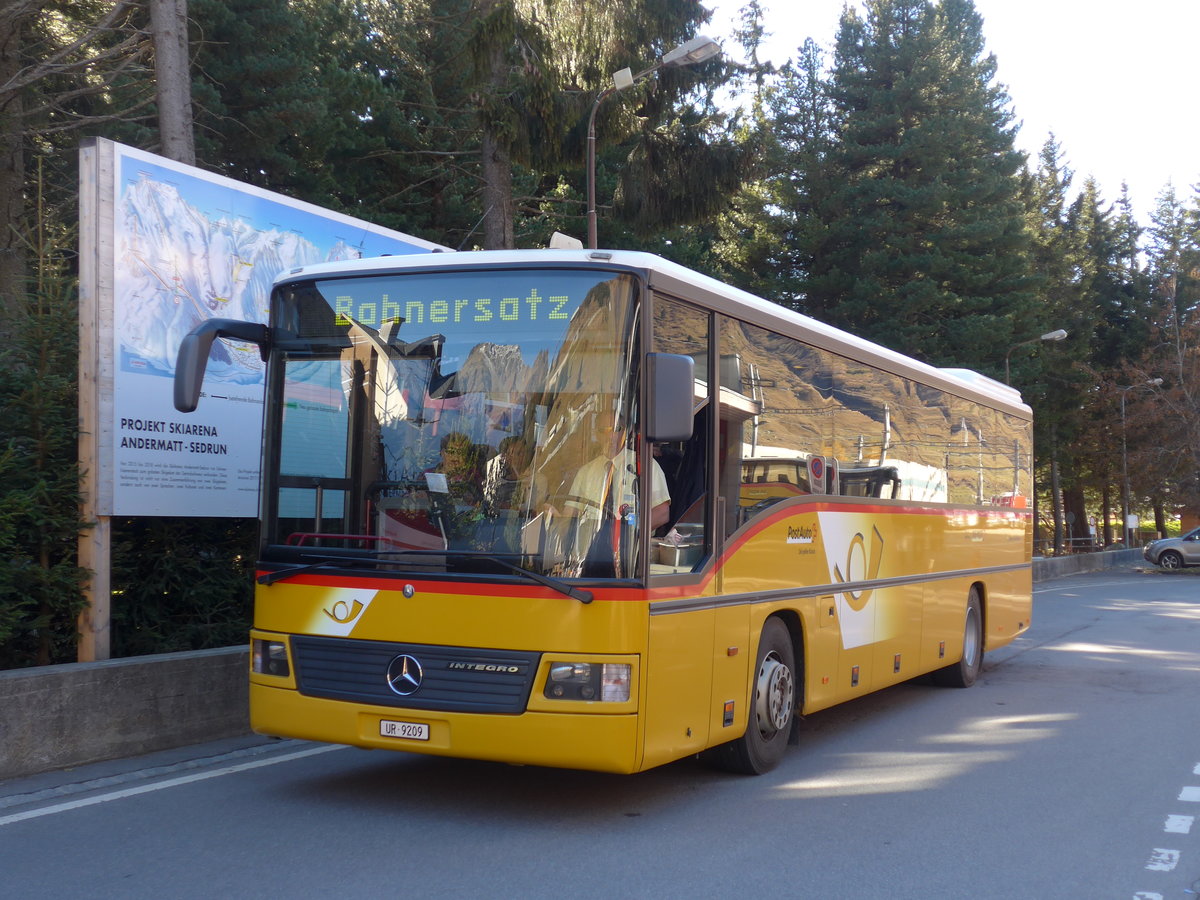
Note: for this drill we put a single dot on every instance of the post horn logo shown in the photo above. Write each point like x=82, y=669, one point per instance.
x=344, y=613
x=858, y=560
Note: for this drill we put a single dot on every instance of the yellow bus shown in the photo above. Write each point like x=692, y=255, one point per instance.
x=504, y=512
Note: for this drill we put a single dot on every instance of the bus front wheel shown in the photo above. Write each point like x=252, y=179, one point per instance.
x=773, y=703
x=964, y=672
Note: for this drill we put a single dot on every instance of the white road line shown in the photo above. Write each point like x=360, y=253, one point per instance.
x=1190, y=794
x=1196, y=771
x=1179, y=824
x=1163, y=860
x=160, y=785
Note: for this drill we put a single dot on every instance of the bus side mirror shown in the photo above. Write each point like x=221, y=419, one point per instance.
x=193, y=354
x=672, y=383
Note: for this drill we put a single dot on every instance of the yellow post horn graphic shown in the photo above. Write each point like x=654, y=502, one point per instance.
x=858, y=600
x=343, y=613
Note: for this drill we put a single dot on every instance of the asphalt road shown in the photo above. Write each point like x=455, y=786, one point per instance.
x=1071, y=770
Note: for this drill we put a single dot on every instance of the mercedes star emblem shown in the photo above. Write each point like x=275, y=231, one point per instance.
x=404, y=674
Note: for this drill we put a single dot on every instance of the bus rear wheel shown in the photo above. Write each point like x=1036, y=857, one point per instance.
x=963, y=673
x=773, y=704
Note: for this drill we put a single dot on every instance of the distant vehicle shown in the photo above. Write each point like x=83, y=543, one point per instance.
x=1175, y=553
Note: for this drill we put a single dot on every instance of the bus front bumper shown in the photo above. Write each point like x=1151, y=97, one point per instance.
x=602, y=743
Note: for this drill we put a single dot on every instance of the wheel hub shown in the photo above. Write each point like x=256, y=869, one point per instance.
x=971, y=639
x=774, y=693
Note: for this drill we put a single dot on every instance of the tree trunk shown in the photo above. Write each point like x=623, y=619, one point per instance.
x=497, y=195
x=1077, y=520
x=1160, y=517
x=168, y=20
x=1106, y=535
x=1056, y=498
x=496, y=168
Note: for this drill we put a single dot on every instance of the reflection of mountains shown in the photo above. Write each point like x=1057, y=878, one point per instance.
x=176, y=268
x=498, y=371
x=817, y=402
x=491, y=389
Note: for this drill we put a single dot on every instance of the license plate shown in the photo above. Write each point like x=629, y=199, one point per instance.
x=406, y=731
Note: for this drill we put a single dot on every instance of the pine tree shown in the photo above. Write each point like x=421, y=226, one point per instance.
x=65, y=65
x=40, y=582
x=774, y=228
x=1170, y=447
x=926, y=249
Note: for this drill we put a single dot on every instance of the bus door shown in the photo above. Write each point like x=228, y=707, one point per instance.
x=680, y=644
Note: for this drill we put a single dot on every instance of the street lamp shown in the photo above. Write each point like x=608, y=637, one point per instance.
x=699, y=49
x=1126, y=536
x=1057, y=335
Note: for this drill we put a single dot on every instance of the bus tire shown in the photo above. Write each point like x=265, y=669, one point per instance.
x=963, y=673
x=772, y=706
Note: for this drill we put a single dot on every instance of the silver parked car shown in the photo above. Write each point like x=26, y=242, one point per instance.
x=1175, y=553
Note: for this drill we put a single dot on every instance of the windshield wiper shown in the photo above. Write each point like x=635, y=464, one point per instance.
x=554, y=584
x=545, y=580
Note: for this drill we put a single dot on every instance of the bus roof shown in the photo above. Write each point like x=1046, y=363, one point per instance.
x=685, y=283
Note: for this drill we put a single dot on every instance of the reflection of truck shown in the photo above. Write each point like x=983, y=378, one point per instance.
x=775, y=478
x=896, y=479
x=918, y=481
x=1011, y=500
x=870, y=481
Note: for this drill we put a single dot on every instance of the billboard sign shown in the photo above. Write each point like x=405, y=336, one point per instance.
x=173, y=246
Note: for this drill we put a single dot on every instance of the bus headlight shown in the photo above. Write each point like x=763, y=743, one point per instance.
x=606, y=682
x=269, y=658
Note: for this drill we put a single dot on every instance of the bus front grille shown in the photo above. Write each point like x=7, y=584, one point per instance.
x=414, y=676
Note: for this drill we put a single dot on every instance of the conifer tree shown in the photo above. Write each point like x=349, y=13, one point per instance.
x=926, y=250
x=775, y=227
x=65, y=65
x=1171, y=446
x=1047, y=380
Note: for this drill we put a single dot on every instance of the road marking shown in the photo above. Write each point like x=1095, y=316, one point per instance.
x=161, y=785
x=1163, y=860
x=1196, y=771
x=1179, y=824
x=1190, y=794
x=1143, y=895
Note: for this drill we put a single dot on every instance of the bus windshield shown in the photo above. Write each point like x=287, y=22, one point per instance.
x=467, y=421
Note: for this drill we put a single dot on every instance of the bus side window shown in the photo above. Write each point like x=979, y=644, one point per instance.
x=685, y=541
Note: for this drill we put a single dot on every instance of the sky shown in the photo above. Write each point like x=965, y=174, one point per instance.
x=1114, y=81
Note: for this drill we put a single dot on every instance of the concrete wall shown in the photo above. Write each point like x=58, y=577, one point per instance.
x=59, y=716
x=1050, y=567
x=53, y=717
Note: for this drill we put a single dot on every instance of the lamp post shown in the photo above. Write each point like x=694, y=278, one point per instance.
x=1126, y=536
x=1057, y=335
x=699, y=49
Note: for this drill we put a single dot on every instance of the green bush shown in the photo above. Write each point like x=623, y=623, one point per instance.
x=40, y=582
x=178, y=584
x=181, y=584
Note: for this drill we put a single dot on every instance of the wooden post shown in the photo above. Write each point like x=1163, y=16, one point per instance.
x=96, y=202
